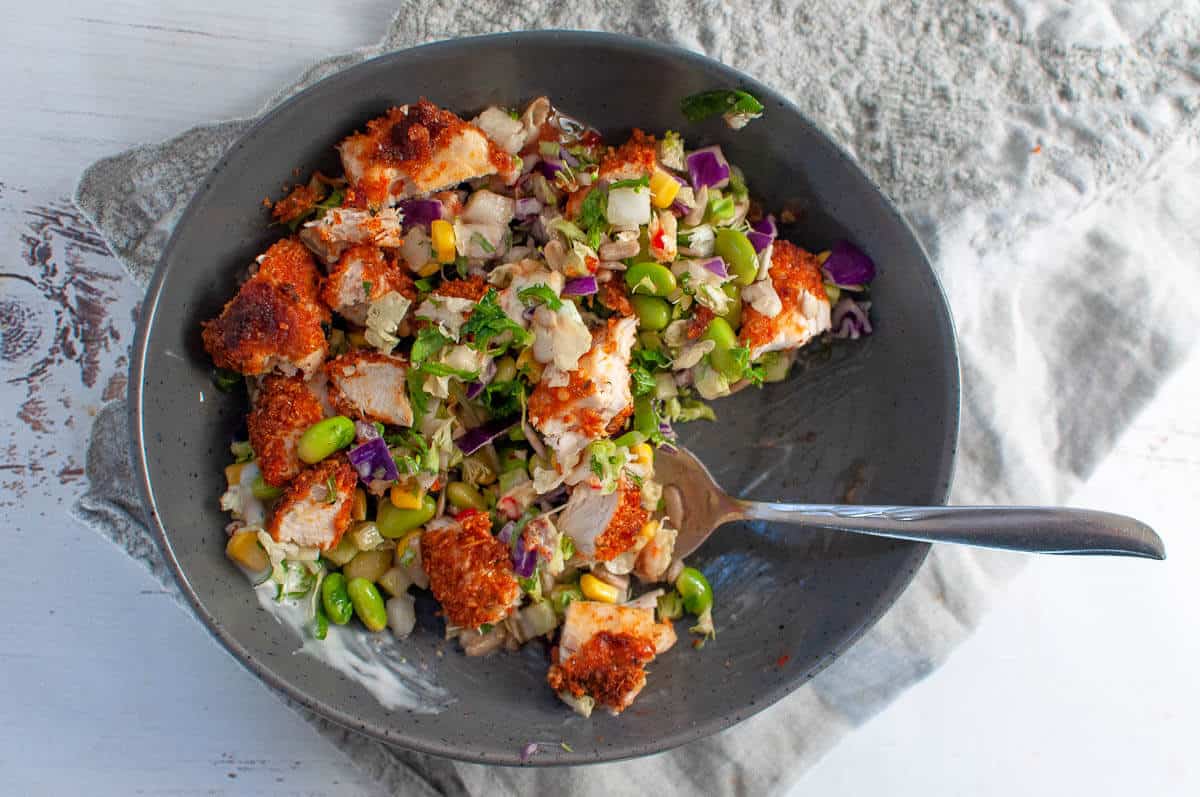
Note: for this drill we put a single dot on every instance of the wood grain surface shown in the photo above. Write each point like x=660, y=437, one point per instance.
x=113, y=689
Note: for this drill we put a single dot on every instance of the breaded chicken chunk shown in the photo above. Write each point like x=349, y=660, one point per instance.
x=470, y=572
x=604, y=526
x=329, y=236
x=370, y=386
x=284, y=407
x=274, y=321
x=603, y=652
x=596, y=400
x=630, y=161
x=361, y=276
x=795, y=276
x=417, y=149
x=314, y=510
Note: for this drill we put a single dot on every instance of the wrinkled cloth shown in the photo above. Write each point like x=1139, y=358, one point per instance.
x=1047, y=154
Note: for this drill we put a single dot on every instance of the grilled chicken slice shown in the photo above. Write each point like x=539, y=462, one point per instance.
x=361, y=276
x=314, y=510
x=596, y=399
x=370, y=386
x=329, y=236
x=470, y=572
x=603, y=651
x=274, y=321
x=796, y=277
x=284, y=407
x=417, y=149
x=604, y=526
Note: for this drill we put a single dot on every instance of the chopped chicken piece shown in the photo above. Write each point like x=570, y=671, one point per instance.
x=470, y=572
x=603, y=652
x=655, y=558
x=634, y=159
x=417, y=149
x=314, y=510
x=274, y=321
x=370, y=386
x=604, y=526
x=361, y=276
x=524, y=274
x=805, y=313
x=596, y=398
x=341, y=228
x=298, y=203
x=512, y=135
x=284, y=407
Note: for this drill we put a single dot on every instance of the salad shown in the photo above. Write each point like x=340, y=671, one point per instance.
x=461, y=355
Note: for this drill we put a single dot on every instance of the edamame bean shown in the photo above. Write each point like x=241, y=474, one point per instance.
x=368, y=604
x=336, y=599
x=653, y=279
x=734, y=314
x=506, y=370
x=463, y=496
x=320, y=624
x=737, y=251
x=650, y=340
x=263, y=491
x=696, y=592
x=721, y=357
x=324, y=438
x=394, y=522
x=653, y=313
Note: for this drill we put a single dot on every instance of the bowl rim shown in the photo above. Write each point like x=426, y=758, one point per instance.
x=882, y=603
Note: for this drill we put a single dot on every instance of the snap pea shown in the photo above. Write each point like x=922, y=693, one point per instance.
x=263, y=491
x=324, y=438
x=653, y=279
x=721, y=357
x=393, y=521
x=695, y=590
x=335, y=599
x=734, y=314
x=368, y=604
x=653, y=313
x=506, y=370
x=737, y=251
x=463, y=496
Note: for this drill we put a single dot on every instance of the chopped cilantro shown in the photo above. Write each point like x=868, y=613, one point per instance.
x=750, y=371
x=643, y=381
x=367, y=286
x=531, y=586
x=568, y=547
x=592, y=216
x=441, y=369
x=424, y=285
x=639, y=182
x=540, y=294
x=429, y=341
x=489, y=321
x=460, y=266
x=503, y=399
x=225, y=380
x=486, y=627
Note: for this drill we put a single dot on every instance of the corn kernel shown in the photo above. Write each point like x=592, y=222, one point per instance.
x=597, y=590
x=429, y=269
x=402, y=498
x=403, y=544
x=358, y=510
x=649, y=529
x=233, y=473
x=823, y=256
x=243, y=548
x=357, y=339
x=442, y=233
x=663, y=189
x=643, y=454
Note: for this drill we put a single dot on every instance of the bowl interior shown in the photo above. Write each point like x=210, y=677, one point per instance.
x=877, y=417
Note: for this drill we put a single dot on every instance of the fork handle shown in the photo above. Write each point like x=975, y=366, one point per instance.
x=1033, y=529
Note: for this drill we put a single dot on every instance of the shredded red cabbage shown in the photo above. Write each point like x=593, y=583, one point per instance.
x=717, y=266
x=708, y=168
x=762, y=233
x=848, y=266
x=472, y=440
x=550, y=167
x=420, y=211
x=373, y=461
x=505, y=534
x=580, y=286
x=524, y=561
x=851, y=319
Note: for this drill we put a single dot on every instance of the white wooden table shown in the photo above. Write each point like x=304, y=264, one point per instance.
x=1082, y=681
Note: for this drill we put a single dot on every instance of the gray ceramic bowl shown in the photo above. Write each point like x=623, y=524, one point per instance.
x=879, y=415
